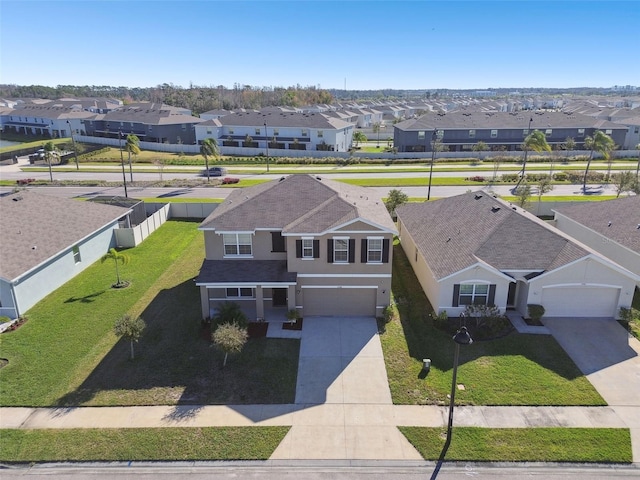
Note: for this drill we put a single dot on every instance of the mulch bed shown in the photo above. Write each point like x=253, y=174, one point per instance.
x=257, y=329
x=297, y=325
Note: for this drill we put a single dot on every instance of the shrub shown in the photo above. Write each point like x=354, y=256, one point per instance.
x=510, y=177
x=230, y=312
x=477, y=178
x=536, y=312
x=560, y=177
x=440, y=320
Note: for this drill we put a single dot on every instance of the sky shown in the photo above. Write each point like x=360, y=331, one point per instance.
x=360, y=45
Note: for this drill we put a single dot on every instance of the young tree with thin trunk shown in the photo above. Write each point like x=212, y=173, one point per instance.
x=130, y=328
x=209, y=148
x=479, y=148
x=624, y=182
x=230, y=338
x=601, y=143
x=50, y=151
x=132, y=146
x=117, y=257
x=394, y=200
x=523, y=193
x=376, y=129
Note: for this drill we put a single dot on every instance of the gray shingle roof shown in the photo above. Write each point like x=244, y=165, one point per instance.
x=245, y=271
x=455, y=233
x=623, y=213
x=50, y=224
x=297, y=204
x=283, y=119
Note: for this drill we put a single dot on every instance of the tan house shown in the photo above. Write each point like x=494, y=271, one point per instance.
x=612, y=228
x=303, y=242
x=477, y=249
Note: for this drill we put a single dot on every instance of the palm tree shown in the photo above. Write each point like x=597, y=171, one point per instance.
x=601, y=143
x=132, y=145
x=208, y=148
x=116, y=256
x=50, y=150
x=358, y=137
x=536, y=141
x=376, y=129
x=638, y=167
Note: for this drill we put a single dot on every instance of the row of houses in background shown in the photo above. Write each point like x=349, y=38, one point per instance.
x=458, y=123
x=325, y=248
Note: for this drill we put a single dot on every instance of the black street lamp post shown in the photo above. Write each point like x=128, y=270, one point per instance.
x=266, y=143
x=461, y=337
x=75, y=151
x=526, y=150
x=433, y=160
x=124, y=176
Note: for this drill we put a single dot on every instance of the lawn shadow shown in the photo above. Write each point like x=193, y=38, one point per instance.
x=175, y=365
x=86, y=299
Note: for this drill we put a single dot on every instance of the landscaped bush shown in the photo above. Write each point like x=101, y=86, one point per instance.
x=560, y=177
x=477, y=178
x=536, y=312
x=510, y=177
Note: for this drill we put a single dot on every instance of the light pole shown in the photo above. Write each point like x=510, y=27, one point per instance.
x=461, y=337
x=124, y=176
x=526, y=150
x=433, y=160
x=75, y=152
x=266, y=143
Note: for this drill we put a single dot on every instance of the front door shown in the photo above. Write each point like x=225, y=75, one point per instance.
x=511, y=295
x=279, y=297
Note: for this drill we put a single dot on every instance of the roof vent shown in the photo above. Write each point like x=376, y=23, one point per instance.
x=17, y=199
x=318, y=178
x=495, y=208
x=638, y=227
x=281, y=178
x=514, y=208
x=609, y=224
x=478, y=196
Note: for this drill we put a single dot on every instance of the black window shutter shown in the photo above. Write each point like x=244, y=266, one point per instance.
x=385, y=251
x=316, y=249
x=492, y=295
x=456, y=295
x=363, y=251
x=352, y=250
x=298, y=248
x=277, y=242
x=330, y=250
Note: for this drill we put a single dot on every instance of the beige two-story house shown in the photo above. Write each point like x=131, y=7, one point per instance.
x=303, y=242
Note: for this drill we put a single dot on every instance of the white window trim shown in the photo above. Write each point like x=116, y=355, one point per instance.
x=369, y=250
x=307, y=257
x=239, y=289
x=473, y=294
x=237, y=244
x=340, y=262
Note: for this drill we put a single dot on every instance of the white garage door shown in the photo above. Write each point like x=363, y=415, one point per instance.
x=580, y=301
x=339, y=302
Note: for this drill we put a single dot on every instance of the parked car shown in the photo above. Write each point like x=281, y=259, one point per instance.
x=215, y=172
x=229, y=180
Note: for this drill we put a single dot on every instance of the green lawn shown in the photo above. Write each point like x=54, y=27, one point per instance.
x=79, y=361
x=593, y=445
x=513, y=370
x=140, y=444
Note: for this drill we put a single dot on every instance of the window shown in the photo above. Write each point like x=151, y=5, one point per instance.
x=237, y=244
x=76, y=254
x=494, y=133
x=340, y=250
x=608, y=131
x=525, y=132
x=231, y=131
x=472, y=134
x=276, y=132
x=122, y=124
x=581, y=132
x=208, y=132
x=416, y=255
x=307, y=248
x=421, y=135
x=636, y=130
x=305, y=132
x=473, y=294
x=184, y=127
x=374, y=250
x=239, y=292
x=440, y=134
x=320, y=134
x=548, y=132
x=257, y=131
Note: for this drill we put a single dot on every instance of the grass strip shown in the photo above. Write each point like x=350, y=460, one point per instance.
x=140, y=444
x=471, y=444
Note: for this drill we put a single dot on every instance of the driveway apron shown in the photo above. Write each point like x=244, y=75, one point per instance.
x=610, y=359
x=341, y=373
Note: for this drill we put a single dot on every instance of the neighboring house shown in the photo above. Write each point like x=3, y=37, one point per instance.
x=611, y=228
x=477, y=249
x=459, y=131
x=46, y=241
x=303, y=242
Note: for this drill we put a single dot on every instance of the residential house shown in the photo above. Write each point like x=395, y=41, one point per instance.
x=460, y=130
x=477, y=249
x=612, y=228
x=304, y=242
x=46, y=241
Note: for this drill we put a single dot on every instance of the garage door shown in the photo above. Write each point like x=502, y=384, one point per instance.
x=339, y=302
x=580, y=301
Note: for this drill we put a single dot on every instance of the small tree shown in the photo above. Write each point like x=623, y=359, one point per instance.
x=624, y=182
x=209, y=148
x=569, y=145
x=376, y=129
x=601, y=143
x=479, y=148
x=130, y=328
x=358, y=137
x=523, y=192
x=50, y=151
x=230, y=338
x=117, y=257
x=132, y=146
x=394, y=200
x=544, y=185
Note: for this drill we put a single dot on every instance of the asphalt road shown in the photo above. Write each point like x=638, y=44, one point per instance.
x=320, y=471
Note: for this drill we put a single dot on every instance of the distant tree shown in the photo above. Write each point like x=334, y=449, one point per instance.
x=376, y=129
x=358, y=137
x=523, y=193
x=50, y=151
x=230, y=338
x=160, y=163
x=537, y=142
x=624, y=182
x=601, y=143
x=130, y=328
x=117, y=257
x=569, y=145
x=209, y=148
x=394, y=200
x=132, y=146
x=480, y=147
x=544, y=185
